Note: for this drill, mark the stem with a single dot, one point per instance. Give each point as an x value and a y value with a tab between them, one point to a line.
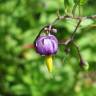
82	62
67	17
39	33
73	34
80	57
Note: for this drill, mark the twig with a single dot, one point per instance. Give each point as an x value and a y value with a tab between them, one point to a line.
82	62
39	33
73	34
72	17
80	57
66	17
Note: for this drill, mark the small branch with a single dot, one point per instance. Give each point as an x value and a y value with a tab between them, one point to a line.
65	43
76	17
54	22
73	34
91	17
81	60
40	33
72	17
66	17
80	57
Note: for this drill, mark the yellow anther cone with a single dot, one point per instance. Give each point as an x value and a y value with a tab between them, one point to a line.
49	63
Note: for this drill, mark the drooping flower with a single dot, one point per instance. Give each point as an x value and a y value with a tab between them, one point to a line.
46	45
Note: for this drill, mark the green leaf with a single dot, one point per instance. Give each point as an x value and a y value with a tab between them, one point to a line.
82	2
68	4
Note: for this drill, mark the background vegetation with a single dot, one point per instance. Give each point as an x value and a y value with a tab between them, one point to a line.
22	72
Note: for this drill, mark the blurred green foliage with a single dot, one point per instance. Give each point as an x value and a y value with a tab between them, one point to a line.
22	72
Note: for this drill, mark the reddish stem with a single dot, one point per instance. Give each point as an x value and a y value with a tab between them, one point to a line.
29	46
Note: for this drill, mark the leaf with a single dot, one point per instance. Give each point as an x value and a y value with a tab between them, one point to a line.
82	2
68	4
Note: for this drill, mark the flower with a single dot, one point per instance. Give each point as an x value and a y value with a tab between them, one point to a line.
46	45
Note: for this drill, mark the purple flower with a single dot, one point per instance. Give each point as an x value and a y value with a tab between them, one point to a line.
46	45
